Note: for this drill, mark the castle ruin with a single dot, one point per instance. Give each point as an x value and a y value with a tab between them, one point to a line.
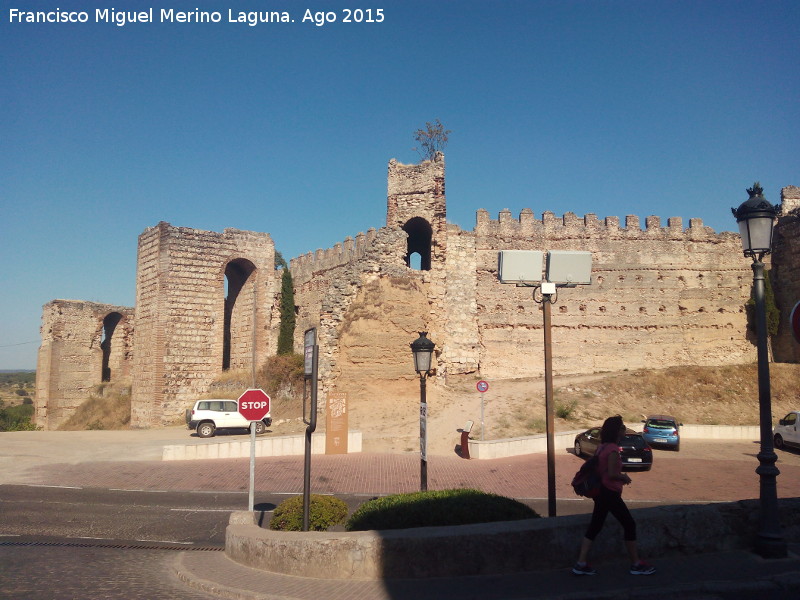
661	295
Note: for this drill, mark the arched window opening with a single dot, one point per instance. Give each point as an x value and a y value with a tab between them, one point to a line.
109	325
237	273
420	235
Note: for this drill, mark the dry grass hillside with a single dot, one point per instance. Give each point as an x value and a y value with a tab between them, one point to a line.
387	412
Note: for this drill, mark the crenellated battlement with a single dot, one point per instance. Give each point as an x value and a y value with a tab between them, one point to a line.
790	199
571	225
343	253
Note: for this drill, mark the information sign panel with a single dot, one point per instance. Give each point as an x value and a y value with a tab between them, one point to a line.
336	428
310	340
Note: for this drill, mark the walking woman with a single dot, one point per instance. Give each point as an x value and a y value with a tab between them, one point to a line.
610	501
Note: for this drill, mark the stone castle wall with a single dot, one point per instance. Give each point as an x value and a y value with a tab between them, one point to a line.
660	296
181	315
786	272
71	357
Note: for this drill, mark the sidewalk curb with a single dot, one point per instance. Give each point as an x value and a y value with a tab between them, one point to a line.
537	584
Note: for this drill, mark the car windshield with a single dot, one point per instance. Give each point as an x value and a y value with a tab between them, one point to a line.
633	441
660	424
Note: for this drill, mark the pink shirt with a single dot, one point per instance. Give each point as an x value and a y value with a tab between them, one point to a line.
603	454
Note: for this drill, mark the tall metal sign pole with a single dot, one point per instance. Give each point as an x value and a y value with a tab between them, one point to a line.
311	355
547	301
483	387
564	268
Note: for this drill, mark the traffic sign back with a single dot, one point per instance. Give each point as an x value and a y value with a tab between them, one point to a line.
254	405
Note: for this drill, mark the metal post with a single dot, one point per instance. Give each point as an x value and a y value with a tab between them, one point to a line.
253	337
312	425
769	541
252	424
548	398
482	425
423	434
251	502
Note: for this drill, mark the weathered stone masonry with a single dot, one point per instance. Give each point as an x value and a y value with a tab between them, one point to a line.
181	319
660	296
79	340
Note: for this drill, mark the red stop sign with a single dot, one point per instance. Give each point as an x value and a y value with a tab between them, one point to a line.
254	405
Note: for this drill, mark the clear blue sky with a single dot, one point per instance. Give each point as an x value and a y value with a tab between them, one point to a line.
613	108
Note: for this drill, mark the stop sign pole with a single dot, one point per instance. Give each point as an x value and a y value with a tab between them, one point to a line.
253	406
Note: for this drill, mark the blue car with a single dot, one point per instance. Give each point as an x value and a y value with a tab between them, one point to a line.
662	430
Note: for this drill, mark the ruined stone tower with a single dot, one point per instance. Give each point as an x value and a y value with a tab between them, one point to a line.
416	204
203	305
84	344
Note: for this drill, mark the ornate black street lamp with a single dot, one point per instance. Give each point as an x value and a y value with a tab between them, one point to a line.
756	218
422	349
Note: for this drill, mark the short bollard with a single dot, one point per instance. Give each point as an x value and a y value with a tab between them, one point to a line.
465	439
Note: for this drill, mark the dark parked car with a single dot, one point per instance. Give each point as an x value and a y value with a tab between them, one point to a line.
662	430
636	453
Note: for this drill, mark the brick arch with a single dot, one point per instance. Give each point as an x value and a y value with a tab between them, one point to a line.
108	346
239	307
420	239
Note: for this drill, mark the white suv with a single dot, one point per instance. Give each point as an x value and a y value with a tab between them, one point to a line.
219	413
787	431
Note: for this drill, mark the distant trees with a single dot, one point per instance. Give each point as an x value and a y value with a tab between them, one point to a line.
431	140
17	418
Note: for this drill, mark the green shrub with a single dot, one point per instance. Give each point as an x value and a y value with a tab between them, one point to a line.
17	418
436	508
564	410
324	512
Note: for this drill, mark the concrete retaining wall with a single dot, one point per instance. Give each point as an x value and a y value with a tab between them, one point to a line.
533	444
287	445
494	548
291	445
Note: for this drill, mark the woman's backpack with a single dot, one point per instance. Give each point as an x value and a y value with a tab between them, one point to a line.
588	481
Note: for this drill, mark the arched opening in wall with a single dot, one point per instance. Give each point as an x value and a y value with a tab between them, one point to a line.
237	273
110	323
420	235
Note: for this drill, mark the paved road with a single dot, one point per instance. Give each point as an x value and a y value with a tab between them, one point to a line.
704	471
71	572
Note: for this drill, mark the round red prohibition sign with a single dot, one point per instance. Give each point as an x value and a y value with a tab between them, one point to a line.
254	405
795	321
483	386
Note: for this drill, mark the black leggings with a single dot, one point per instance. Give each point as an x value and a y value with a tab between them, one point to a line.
611	502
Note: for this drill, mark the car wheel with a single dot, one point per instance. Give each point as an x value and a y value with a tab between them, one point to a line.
260	427
779	442
578	448
205	430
